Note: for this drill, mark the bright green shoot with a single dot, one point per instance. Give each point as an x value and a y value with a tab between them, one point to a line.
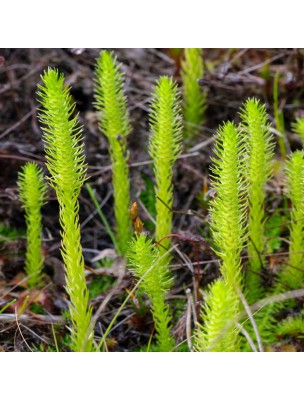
292	326
219	332
293	273
32	191
259	157
194	98
111	103
228	208
227	225
65	160
145	262
165	146
298	127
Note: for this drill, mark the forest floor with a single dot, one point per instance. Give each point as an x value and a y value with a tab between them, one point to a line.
231	76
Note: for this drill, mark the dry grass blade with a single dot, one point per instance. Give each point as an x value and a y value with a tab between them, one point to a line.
254	325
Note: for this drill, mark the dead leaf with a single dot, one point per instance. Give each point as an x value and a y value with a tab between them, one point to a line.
288	348
106	253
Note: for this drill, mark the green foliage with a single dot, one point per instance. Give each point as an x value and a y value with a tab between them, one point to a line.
219	332
144	260
65	160
298	127
43	348
259	149
228	208
99	285
273	229
8	304
164	147
227	225
9	233
194	99
291	276
293	273
111	104
241	168
101	214
278	115
37	308
176	51
292	326
32	191
265	319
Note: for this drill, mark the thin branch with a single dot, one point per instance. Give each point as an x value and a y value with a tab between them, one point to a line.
252	320
16	318
47	319
247	336
188	319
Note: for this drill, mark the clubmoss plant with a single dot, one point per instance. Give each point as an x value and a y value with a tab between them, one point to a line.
298	127
293	273
145	263
164	147
111	103
292	326
65	160
228	208
32	189
194	106
219	332
227	225
259	157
